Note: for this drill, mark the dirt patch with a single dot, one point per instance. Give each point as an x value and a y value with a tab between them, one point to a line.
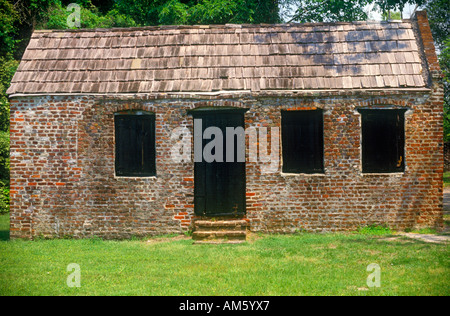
400	239
252	237
436	239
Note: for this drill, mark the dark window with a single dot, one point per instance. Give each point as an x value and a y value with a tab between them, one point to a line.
135	144
383	140
302	141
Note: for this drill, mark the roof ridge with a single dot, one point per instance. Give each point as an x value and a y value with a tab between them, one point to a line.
218	26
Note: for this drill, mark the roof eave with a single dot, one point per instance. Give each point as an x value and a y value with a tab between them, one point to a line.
237	92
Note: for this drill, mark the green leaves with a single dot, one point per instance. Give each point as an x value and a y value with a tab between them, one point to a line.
327	10
177	12
439	17
143	12
444	61
4	172
90	17
387	6
7	70
174	13
8	42
8	16
222	12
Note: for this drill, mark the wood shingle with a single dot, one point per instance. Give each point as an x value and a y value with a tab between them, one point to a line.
359	55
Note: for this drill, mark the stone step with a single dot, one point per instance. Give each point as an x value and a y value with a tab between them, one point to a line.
223	225
220	231
231	235
219	234
218	242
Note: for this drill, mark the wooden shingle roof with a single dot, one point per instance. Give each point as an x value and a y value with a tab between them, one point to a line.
360	55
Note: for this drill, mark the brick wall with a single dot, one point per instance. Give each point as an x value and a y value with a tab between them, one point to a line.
63	181
344	198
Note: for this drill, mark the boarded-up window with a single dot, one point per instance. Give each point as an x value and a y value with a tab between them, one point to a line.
135	144
302	141
383	140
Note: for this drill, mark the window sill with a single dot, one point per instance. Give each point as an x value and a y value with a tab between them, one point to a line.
284	174
393	174
135	177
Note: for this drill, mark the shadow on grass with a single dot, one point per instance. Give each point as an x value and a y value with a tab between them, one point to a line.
4	235
4	227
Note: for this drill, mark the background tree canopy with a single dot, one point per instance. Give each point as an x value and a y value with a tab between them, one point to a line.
19	18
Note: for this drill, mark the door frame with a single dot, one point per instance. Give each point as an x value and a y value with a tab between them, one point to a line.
198	113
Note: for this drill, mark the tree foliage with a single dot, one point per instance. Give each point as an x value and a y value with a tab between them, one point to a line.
387	6
4	172
439	17
91	17
327	10
389	15
176	12
444	61
8	16
345	10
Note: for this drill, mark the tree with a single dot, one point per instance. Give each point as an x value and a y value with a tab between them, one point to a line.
222	12
7	68
8	16
326	10
389	6
157	12
8	41
91	17
386	16
444	61
439	17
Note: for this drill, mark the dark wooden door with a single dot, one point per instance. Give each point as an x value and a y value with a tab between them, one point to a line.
220	185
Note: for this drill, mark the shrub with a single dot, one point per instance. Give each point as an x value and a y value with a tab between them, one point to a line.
4	172
4	199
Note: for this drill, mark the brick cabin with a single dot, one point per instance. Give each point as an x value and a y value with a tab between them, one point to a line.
358	105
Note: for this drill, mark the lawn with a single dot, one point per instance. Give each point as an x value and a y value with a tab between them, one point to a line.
302	264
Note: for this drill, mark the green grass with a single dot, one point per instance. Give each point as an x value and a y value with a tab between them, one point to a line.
374	230
446	179
302	264
427	231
